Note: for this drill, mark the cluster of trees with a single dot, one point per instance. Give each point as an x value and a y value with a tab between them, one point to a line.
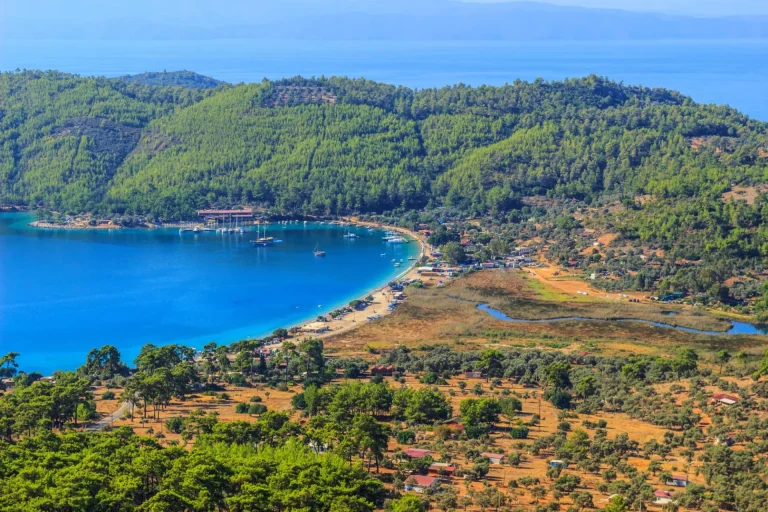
226	470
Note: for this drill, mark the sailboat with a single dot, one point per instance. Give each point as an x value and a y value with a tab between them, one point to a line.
348	234
318	252
264	240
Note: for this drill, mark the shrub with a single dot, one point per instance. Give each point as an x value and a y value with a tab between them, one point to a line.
519	432
174	425
257	409
429	378
256	399
241	408
108	395
406	436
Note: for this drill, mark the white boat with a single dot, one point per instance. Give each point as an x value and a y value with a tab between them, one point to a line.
318	252
396	240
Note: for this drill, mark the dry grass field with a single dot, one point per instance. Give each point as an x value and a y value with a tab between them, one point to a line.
449	315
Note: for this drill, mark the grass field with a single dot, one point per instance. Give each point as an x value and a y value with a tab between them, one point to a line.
449	315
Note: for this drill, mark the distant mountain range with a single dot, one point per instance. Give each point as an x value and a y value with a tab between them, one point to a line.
425	20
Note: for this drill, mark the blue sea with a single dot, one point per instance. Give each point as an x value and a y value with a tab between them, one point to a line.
63	292
720	72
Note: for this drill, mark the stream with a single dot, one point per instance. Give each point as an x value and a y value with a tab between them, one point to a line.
737	328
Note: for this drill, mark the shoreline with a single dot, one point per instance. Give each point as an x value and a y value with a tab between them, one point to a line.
49	225
381	294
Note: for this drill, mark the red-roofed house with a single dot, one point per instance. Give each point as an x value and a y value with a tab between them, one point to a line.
420	484
495	458
382	370
722	398
416	453
663	497
440	468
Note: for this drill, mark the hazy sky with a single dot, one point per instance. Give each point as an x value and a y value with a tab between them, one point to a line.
34	8
687	7
97	9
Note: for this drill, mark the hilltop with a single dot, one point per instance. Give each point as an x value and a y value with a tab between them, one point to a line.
173	78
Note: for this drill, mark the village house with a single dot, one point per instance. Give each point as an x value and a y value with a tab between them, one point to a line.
722	398
454	424
439	469
495	458
420	484
316	328
678	481
384	371
662	497
416	453
473	375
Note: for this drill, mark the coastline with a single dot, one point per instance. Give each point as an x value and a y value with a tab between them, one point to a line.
381	294
49	225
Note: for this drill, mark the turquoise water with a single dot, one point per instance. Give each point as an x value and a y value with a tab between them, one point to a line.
65	292
736	327
721	72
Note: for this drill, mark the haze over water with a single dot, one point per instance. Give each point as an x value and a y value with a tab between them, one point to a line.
65	292
720	72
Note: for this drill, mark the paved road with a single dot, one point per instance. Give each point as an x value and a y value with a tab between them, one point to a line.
108	420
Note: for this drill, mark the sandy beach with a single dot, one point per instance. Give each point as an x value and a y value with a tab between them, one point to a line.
381	296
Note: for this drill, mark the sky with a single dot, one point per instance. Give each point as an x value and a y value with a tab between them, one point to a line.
683	7
202	9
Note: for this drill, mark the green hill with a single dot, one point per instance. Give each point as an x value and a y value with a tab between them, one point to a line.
353	145
173	79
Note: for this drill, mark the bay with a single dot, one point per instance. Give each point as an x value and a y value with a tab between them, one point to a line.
63	292
720	72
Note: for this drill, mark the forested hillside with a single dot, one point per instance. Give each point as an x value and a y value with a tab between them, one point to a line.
338	145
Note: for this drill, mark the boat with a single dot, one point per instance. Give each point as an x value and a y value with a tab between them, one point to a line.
397	265
318	252
264	240
412	258
347	234
396	240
